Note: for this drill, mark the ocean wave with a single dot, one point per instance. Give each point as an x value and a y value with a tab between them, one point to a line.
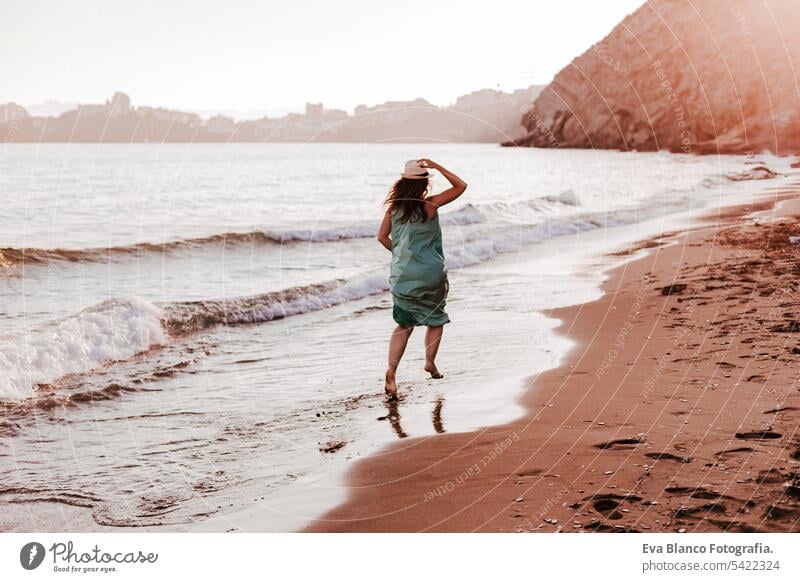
118	329
509	239
567	197
193	316
467	215
109	331
10	257
31	255
528	211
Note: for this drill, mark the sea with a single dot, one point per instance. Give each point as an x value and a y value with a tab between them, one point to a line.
193	336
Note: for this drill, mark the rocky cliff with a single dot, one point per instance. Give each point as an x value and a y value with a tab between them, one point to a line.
694	76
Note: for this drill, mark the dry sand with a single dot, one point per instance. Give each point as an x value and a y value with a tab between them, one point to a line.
678	409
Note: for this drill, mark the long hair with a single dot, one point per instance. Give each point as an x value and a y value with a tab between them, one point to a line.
407	198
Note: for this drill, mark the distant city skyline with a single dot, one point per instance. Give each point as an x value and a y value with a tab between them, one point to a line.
242	55
485	116
54	107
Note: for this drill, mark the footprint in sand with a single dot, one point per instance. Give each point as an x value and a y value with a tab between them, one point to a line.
673	289
727	452
696	492
684	511
792	489
770	476
779	513
599	526
756	378
781	409
703	493
529	473
668	457
619	444
607	503
789	327
608	507
759	435
734	526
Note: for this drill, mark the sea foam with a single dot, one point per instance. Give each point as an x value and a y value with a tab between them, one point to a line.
120	328
112	330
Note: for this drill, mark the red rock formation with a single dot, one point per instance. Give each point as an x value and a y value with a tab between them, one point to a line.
697	76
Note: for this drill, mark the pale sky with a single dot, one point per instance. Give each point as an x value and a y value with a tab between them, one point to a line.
243	54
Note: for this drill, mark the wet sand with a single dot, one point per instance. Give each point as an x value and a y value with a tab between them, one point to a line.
677	410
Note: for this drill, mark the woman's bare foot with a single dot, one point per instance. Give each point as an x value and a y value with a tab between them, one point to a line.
431	368
390	386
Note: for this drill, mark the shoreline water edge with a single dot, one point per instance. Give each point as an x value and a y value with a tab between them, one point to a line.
673	411
456	480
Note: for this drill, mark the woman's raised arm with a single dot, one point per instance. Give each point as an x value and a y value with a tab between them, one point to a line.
457	185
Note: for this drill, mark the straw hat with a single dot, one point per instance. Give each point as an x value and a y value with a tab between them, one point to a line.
414	171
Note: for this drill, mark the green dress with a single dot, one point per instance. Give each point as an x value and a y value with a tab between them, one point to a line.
418	275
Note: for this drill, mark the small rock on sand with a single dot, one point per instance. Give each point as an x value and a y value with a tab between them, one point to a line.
332	446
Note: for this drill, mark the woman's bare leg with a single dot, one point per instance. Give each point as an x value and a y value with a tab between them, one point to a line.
397	346
433	338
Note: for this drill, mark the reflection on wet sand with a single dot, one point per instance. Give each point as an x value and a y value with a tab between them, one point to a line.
393	416
437	415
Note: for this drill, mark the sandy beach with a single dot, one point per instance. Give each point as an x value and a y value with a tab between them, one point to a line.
294	268
676	411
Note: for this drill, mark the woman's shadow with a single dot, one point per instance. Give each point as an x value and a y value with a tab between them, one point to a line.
393	407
